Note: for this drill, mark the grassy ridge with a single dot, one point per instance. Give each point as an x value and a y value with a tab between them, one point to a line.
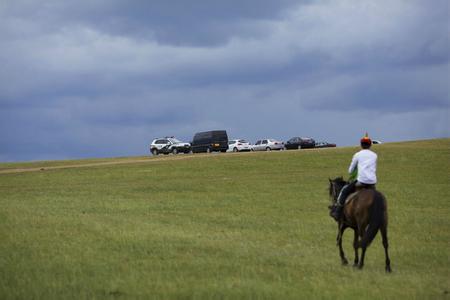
222	226
67	163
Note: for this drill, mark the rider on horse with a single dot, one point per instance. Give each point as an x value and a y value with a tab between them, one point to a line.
362	168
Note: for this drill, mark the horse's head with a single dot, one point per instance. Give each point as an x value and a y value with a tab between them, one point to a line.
335	188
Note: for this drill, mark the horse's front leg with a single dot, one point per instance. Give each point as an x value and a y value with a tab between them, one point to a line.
355	247
339	242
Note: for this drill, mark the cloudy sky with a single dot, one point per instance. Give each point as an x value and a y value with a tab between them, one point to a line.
102	78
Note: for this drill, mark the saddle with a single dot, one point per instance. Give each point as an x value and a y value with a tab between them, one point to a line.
360	186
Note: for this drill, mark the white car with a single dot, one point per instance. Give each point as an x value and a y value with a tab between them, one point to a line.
268	145
238	145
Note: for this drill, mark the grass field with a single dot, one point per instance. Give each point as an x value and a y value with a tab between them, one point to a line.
234	226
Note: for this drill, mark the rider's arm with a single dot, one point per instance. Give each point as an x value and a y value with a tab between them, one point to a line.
354	164
353	169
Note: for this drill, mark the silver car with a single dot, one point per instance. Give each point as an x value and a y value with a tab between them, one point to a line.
268	145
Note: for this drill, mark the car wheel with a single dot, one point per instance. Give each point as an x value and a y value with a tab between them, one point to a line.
155	152
268	149
175	151
235	149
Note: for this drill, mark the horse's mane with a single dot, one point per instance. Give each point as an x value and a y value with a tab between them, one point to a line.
339	181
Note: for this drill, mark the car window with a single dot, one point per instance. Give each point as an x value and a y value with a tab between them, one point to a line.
230	142
219	135
202	135
243	141
258	142
264	141
159	142
174	140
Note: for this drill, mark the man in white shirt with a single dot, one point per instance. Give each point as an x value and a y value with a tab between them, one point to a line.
363	168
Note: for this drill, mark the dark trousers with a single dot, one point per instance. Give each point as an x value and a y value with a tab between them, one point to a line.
345	192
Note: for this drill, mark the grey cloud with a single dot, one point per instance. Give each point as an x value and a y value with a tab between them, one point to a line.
174	22
384	91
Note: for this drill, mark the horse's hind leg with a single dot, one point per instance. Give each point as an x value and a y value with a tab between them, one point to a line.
339	242
361	262
386	245
363	254
355	247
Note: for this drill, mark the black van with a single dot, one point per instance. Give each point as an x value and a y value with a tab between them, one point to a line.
208	141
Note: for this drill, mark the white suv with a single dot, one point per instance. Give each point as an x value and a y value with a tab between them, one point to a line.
169	145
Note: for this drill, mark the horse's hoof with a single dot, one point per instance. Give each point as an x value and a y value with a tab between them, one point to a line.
344	262
388	269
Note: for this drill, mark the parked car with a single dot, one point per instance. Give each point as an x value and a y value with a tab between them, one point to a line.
268	145
300	143
208	141
169	145
238	145
324	145
375	142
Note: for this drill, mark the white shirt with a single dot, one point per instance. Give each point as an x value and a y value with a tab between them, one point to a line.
366	162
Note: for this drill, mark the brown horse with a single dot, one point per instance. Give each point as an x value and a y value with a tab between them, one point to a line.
365	211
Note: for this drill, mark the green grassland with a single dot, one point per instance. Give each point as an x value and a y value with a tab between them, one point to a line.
234	226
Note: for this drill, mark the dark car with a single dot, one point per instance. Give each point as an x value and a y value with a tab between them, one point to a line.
324	145
300	143
208	141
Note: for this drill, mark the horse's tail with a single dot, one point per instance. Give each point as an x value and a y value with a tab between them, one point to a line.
376	219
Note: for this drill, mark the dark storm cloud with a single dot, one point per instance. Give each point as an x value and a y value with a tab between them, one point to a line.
102	78
175	22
